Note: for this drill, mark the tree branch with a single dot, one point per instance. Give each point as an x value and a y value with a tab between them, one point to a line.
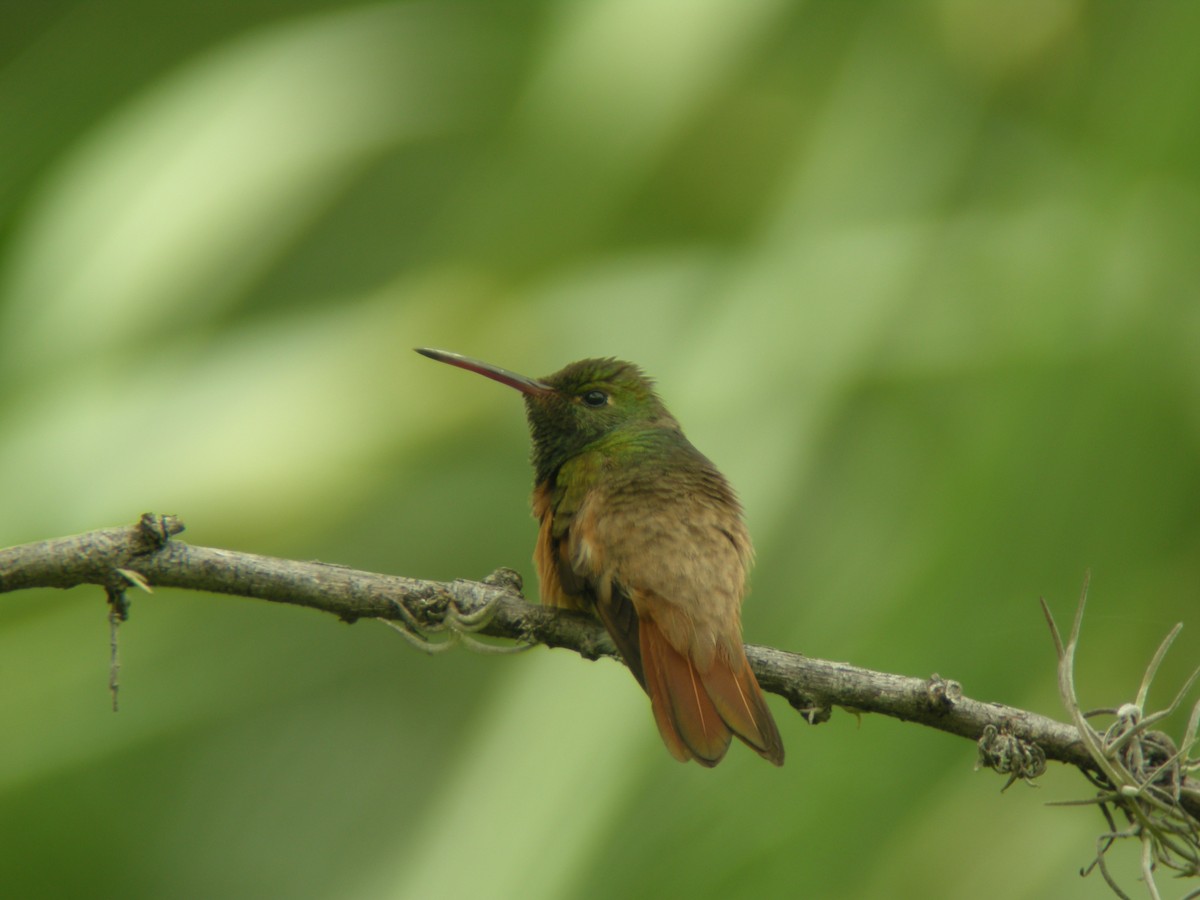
1010	739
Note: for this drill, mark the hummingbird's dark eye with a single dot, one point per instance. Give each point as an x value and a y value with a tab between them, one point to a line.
595	399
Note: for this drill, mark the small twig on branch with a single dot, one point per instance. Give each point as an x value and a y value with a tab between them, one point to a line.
1011	740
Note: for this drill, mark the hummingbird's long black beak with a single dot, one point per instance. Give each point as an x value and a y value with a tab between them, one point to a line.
523	384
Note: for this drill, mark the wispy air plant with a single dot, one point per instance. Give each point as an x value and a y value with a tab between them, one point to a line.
1138	771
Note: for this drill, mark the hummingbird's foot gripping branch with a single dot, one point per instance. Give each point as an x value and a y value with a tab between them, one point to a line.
458	625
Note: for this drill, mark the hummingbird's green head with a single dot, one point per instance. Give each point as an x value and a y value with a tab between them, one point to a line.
578	406
588	401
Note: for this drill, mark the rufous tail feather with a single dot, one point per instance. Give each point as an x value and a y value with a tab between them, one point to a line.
739	700
697	712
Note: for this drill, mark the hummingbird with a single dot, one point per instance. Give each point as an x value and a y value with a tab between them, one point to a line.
640	530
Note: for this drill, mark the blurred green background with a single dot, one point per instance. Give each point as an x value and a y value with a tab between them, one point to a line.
921	278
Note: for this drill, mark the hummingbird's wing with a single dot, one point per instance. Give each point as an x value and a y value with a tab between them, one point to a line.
570	567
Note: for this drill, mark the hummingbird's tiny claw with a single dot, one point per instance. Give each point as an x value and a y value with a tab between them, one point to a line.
457	625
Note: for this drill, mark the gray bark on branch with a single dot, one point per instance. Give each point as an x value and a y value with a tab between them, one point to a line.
117	559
